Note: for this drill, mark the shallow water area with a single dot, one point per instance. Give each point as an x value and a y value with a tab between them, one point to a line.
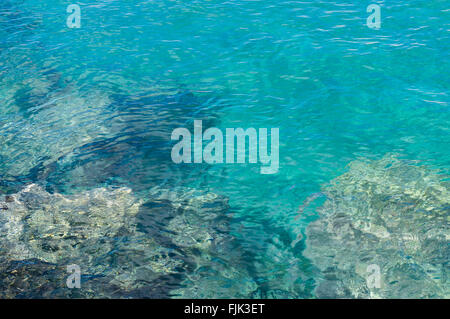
87	178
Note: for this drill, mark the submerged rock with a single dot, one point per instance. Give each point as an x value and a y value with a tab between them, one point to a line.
136	149
174	244
49	128
201	229
390	214
29	279
53	227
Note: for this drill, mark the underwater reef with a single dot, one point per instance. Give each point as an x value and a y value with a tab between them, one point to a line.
168	246
390	213
72	139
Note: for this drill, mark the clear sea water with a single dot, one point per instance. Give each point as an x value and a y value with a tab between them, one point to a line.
95	106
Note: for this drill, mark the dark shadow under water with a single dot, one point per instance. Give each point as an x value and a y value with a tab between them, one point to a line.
139	155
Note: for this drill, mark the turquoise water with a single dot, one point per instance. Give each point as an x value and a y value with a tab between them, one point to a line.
94	106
